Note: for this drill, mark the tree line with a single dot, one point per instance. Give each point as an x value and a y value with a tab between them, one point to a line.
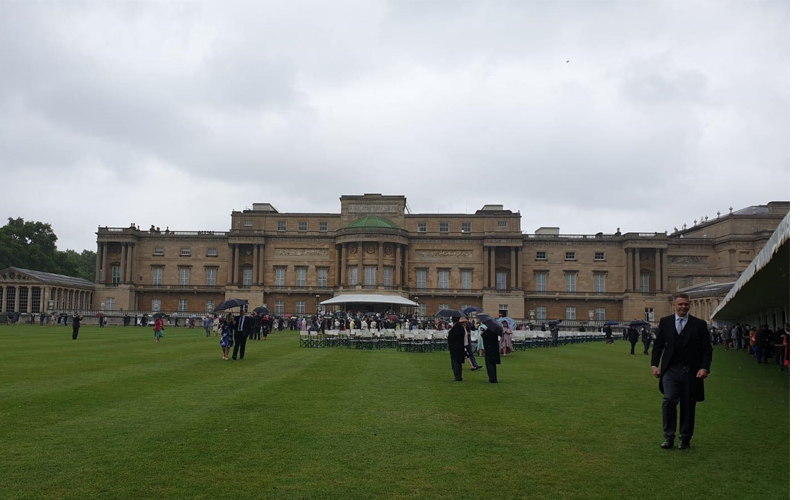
32	245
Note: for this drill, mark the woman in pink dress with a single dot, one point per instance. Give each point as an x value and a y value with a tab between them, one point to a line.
506	345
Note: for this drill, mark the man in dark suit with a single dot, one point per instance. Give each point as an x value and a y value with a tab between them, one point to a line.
685	344
244	324
491	349
456	343
633	337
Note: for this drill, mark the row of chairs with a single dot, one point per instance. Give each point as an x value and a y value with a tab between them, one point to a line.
429	340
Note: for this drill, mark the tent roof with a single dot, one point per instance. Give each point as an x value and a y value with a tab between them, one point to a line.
359	298
373	221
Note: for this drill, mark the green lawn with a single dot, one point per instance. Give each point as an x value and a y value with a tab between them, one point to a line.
113	415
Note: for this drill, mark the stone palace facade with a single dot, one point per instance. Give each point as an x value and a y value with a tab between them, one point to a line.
293	261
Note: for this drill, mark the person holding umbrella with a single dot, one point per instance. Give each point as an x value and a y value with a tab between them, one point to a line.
244	324
76	324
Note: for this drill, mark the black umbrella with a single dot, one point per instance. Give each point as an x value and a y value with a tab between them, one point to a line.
472	309
639	322
554	322
610	323
449	313
491	324
228	304
261	310
159	315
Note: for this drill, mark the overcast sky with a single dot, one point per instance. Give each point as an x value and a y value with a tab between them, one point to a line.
175	113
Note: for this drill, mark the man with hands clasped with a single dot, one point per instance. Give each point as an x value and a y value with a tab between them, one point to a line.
683	346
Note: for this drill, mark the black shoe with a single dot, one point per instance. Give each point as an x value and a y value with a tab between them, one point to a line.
492	381
684	445
479	367
668	444
234	358
458	379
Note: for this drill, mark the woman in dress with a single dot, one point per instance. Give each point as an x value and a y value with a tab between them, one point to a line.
480	347
506	344
158	329
227	337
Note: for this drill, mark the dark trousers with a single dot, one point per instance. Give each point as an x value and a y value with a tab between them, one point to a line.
75	332
646	346
456	365
239	342
677	382
633	345
491	370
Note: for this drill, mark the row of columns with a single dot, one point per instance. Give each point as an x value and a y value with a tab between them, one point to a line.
63	298
340	272
125	262
490	265
633	269
235	259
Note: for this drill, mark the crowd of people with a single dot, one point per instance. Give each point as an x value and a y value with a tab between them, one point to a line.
760	342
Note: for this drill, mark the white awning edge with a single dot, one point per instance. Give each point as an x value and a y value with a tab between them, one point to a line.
358	298
775	242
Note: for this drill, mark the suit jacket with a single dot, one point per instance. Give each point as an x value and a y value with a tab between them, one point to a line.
491	346
248	324
697	349
455	342
633	335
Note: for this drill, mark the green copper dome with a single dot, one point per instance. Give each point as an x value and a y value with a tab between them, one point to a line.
372	221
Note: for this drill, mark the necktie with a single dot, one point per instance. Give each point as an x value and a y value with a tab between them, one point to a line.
241	323
680	325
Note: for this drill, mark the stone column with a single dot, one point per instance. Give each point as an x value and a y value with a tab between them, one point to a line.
256	263
263	265
629	269
397	265
345	277
337	276
513	284
104	264
123	262
636	263
16	299
236	247
360	279
379	277
29	304
3	298
658	270
519	267
664	273
129	264
406	259
230	263
492	267
97	262
486	283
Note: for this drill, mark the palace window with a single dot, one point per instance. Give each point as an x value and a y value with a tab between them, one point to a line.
541	313
280	276
370	277
211	276
248	223
247	276
211	252
649	315
466	280
300	307
422	278
158	272
281	225
644	282
183	305
422	310
502	280
186	252
209	305
600	282
422	227
323	227
155	305
115	275
279	307
110	304
541	282
570	313
387	276
301	273
599	256
444	227
600	314
444	280
322	277
183	275
444	306
302	226
466	227
353	272
570	282
570	256
541	255
158	251
502	223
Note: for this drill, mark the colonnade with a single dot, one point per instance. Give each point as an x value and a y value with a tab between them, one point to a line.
259	266
490	264
400	263
36	298
633	258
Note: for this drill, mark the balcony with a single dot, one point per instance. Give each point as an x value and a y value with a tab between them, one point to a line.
154	287
553	294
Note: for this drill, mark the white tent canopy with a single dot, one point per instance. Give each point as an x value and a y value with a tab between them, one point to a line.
357	298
